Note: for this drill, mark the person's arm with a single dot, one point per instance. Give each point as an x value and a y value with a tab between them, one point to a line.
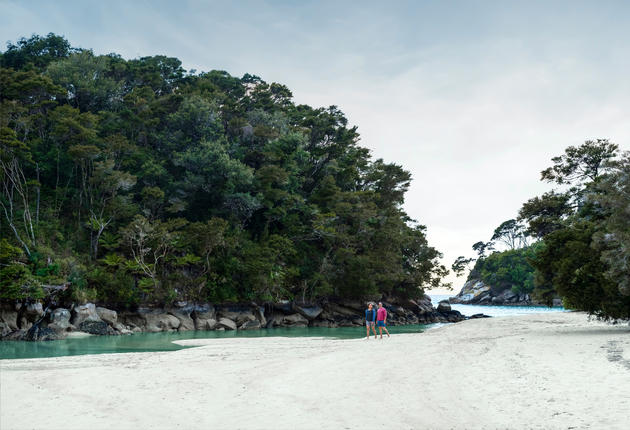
385	318
373	315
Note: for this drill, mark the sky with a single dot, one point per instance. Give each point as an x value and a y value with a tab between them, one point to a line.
472	97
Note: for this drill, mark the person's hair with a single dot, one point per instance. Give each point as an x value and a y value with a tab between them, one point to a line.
380	303
369	304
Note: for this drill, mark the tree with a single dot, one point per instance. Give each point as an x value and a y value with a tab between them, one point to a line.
140	182
614	240
511	233
482	247
461	264
581	164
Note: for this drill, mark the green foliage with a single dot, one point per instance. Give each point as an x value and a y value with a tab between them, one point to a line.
584	253
138	182
509	269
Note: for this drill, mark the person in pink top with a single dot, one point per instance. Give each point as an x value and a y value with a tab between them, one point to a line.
381	319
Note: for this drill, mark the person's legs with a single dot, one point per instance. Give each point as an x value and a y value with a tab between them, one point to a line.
374	330
386	331
367	327
380	330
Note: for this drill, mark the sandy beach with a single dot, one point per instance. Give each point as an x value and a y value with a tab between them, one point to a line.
531	372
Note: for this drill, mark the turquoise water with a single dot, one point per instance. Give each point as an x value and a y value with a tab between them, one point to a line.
494	311
144	342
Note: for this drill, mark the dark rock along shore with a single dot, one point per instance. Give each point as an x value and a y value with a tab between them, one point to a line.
31	322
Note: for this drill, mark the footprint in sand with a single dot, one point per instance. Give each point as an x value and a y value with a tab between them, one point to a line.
615	354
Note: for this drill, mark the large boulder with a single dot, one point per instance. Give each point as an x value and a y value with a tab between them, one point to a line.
226	324
39	332
444	306
294	320
205	324
236	313
107	315
204	317
59	320
157	321
186	323
86	312
309	312
94	327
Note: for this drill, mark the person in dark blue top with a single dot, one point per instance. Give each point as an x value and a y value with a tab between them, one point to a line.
370	317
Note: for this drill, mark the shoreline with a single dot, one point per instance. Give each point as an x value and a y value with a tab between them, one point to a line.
534	371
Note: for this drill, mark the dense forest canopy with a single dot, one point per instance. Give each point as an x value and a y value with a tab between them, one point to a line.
581	235
136	181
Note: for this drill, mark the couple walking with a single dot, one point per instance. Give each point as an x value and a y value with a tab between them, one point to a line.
380	316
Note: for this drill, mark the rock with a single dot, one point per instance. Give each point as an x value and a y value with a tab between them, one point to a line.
38	333
204	317
444	306
226	324
497	300
250	325
294	320
259	313
239	314
341	310
34	311
107	315
94	327
9	317
509	295
471	292
86	312
475	316
205	324
557	302
60	320
186	323
309	312
356	306
160	321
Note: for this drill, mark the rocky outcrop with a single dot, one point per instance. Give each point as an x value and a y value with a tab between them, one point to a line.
476	292
184	316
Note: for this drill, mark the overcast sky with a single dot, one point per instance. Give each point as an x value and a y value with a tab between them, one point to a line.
472	97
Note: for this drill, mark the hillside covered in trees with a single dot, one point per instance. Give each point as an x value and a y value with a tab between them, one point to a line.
135	181
572	242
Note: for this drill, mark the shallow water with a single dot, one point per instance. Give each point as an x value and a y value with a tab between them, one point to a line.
494	311
143	342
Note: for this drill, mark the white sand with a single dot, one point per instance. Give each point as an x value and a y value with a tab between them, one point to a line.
542	371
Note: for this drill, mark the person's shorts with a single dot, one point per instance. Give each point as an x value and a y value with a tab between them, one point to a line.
380	323
369	323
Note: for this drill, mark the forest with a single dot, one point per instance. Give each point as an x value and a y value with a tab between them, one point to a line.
134	181
573	241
